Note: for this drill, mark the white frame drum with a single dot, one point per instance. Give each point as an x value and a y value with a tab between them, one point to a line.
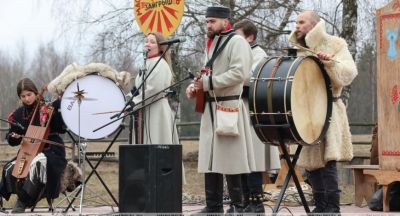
102	99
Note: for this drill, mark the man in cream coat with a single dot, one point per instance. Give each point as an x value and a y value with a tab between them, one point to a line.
219	154
320	160
266	156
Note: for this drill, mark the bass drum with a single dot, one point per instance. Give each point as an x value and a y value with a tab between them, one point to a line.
102	98
294	94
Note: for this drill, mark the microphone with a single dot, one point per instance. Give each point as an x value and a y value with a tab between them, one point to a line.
172	41
145	52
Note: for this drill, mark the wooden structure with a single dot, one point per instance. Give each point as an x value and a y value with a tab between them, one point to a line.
364	185
388	99
388	82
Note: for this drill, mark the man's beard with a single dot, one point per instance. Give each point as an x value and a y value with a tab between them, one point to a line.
300	36
212	34
301	39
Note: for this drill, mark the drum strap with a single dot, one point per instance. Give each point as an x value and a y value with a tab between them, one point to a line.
210	63
270	87
218	50
246	91
274	70
270	105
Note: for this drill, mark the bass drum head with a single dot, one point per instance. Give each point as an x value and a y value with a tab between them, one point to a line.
309	101
101	95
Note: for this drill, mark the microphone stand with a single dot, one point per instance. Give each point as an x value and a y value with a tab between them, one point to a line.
17	124
142	71
141	114
142	84
190	76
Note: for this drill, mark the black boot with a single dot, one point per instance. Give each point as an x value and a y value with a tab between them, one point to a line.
214	191
254	183
245	190
256	204
320	202
332	203
19	207
246	199
235	193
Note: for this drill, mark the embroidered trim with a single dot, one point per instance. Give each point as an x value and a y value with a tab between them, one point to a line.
227	109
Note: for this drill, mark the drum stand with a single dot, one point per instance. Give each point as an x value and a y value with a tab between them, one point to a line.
82	157
81	188
291	164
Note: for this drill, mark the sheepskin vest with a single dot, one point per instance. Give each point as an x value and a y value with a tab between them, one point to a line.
337	145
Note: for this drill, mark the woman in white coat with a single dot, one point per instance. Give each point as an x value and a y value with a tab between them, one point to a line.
157	119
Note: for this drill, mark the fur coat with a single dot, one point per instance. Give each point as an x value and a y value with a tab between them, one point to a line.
337	145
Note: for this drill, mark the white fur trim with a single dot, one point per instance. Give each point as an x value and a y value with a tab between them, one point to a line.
75	71
337	145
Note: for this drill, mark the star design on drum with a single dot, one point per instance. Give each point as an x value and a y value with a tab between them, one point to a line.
79	94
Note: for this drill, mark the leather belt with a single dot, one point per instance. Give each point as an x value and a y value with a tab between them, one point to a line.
222	98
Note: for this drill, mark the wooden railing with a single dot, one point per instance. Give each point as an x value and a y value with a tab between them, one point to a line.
185	124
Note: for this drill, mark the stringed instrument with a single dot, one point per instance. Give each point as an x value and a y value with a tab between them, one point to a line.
200	94
32	143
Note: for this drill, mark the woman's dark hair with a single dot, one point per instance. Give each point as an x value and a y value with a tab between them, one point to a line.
26	84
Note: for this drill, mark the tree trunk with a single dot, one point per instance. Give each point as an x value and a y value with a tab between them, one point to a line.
349	24
349	33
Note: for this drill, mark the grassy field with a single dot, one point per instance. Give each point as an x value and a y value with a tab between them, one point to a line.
96	194
193	190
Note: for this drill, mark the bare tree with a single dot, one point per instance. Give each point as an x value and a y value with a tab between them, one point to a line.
349	25
116	37
349	33
11	71
48	63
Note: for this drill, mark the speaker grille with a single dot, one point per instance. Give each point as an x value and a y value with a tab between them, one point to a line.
150	178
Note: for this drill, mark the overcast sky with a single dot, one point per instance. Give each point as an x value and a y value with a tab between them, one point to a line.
32	22
25	21
29	23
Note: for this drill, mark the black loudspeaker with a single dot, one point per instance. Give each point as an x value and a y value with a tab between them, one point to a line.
150	178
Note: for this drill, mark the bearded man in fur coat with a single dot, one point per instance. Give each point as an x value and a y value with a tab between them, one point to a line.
320	160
